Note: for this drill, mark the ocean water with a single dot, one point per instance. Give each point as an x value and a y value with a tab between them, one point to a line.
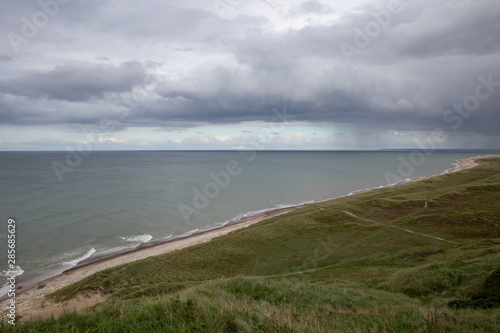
116	200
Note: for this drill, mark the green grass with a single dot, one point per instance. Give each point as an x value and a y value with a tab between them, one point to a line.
376	261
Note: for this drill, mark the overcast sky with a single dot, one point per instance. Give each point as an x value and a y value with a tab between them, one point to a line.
235	74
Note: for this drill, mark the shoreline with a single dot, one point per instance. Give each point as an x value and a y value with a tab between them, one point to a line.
30	299
154	247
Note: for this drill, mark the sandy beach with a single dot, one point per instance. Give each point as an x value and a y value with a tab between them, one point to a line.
30	299
467	164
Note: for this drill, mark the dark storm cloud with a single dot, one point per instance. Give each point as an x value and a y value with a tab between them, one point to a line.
423	60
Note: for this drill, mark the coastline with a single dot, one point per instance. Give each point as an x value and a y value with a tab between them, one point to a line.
30	299
466	164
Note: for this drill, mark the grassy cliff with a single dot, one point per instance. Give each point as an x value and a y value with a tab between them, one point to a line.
376	261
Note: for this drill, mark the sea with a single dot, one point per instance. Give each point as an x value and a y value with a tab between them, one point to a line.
70	207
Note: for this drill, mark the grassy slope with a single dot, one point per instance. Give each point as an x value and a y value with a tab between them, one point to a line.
374	261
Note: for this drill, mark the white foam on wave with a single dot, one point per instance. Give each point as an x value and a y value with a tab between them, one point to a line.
283	206
74	262
251	214
138	239
4	289
185	234
211	227
16	272
55	270
455	164
189	233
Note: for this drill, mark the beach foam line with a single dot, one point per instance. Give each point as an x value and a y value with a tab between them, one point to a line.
186	234
456	165
211	227
75	262
138	240
245	216
47	272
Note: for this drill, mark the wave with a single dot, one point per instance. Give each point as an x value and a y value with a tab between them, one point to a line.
211	227
74	262
4	288
244	216
8	273
456	165
137	239
188	233
46	273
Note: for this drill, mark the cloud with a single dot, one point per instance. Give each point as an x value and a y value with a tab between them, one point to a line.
76	81
450	28
182	65
4	57
311	7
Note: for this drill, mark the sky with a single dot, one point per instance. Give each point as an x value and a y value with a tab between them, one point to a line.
249	74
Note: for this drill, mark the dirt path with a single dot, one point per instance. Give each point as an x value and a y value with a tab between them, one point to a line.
398	228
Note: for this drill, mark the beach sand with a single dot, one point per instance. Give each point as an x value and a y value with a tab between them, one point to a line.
31	301
467	164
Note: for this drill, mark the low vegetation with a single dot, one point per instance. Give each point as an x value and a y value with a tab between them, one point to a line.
373	262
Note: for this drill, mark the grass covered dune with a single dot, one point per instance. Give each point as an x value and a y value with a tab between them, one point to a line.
372	262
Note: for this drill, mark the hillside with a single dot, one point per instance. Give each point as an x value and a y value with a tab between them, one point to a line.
377	261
